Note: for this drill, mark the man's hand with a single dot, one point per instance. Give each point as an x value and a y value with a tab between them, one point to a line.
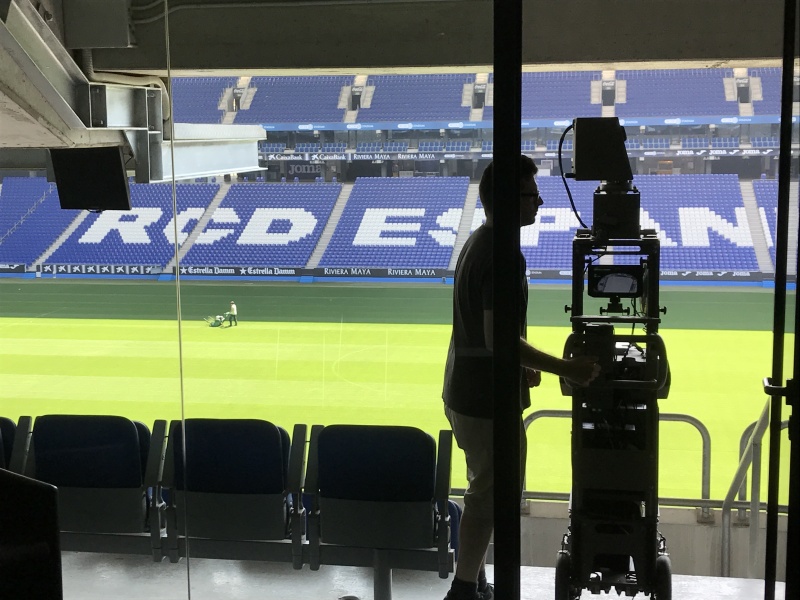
582	369
534	377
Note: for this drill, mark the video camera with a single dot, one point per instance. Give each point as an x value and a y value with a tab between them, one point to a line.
613	540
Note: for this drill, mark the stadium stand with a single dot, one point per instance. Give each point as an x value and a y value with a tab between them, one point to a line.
552	145
395	146
236	491
654	143
369	147
694	142
559	94
334	147
765	141
725	142
458	146
30	218
398	223
701	220
487	146
272	146
295	99
431	146
196	99
265	224
141	236
307	147
770	90
379	497
106	469
406	97
675	92
766	191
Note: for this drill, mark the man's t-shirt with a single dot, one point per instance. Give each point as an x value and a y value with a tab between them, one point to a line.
468	373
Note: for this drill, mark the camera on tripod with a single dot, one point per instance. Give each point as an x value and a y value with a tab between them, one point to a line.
613	538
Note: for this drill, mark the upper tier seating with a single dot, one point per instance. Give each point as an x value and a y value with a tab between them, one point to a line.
558	95
675	92
196	99
770	90
31	204
415	97
398	223
303	99
143	235
275	225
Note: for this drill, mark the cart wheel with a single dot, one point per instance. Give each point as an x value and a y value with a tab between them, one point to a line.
563	569
662	584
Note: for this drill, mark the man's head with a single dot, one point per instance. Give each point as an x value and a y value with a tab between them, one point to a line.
529	190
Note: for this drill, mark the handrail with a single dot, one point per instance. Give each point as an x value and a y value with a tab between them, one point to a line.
705	483
755	486
738	480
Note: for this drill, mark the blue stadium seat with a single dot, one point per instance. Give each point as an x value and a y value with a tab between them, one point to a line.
236	492
106	470
379	497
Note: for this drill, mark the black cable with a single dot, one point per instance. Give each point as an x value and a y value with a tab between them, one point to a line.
564	178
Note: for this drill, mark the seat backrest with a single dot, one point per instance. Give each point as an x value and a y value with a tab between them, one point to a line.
376	463
7	432
87	451
231	456
376	486
96	462
234	481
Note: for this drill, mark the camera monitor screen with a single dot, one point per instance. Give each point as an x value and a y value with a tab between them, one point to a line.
91	178
622	281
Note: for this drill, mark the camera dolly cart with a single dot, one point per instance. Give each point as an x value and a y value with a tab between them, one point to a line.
613	539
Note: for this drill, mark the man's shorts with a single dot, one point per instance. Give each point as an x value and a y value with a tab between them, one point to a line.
475	436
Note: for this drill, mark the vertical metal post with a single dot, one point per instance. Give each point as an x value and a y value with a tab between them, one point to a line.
506	288
779	318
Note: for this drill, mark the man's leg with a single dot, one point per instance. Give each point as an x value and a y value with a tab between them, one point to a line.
474	436
474	535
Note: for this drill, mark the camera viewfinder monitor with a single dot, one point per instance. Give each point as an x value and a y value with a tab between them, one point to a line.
599	152
91	178
621	281
30	551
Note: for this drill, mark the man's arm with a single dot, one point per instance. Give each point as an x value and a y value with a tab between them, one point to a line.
580	369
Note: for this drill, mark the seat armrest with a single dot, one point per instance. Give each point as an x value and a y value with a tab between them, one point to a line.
155	460
297	460
443	467
18	463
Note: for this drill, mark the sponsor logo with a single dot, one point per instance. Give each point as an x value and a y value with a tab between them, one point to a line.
486	155
305	169
704	273
669	272
346	271
332	156
417	155
455	125
282	156
748	151
354	125
685	152
562	123
675	121
718	152
405	125
306	127
741	273
732	120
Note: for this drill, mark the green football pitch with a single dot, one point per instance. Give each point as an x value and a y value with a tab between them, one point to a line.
325	353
